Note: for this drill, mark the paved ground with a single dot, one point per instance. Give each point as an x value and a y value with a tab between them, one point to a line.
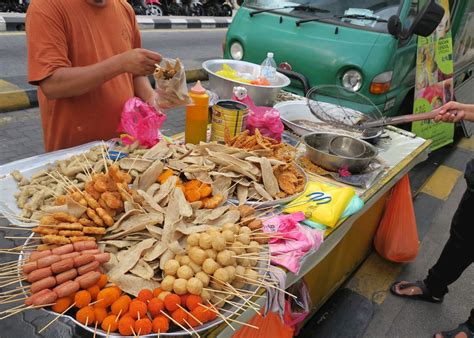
170	43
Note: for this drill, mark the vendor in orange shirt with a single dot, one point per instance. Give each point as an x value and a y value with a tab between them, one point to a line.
86	58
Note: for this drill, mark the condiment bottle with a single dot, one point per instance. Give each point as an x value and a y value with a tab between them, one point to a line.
197	115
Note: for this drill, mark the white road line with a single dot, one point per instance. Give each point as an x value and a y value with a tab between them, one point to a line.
193	30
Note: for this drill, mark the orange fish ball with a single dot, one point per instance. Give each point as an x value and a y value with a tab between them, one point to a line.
184	298
156	292
193	322
100	314
143	326
94	291
155	306
86	315
126	325
161	324
102	280
116	291
62	304
193	302
120	306
171	302
145	295
110	323
180	316
82	298
106	297
201	313
137	309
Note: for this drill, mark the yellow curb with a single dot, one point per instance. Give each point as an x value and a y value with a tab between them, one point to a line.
373	279
442	182
12	97
467	143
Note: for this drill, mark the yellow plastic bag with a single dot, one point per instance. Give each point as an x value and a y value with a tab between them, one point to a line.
327	214
230	73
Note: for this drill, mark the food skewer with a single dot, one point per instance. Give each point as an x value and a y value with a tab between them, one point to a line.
174	321
231	319
58	316
192	328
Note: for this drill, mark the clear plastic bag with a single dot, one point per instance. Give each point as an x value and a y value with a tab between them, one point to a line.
170	85
297	309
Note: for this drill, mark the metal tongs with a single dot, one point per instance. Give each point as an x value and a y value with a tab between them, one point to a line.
391	121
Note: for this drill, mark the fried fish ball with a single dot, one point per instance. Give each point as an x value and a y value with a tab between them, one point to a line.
225	258
231	272
179	286
254	247
245	262
193	240
194	286
238	247
91	201
94	231
53	239
229	236
221	275
108	220
246	210
244	238
64	217
167	283
44	231
245	230
185	272
204	278
86	222
210	266
82	239
94	217
240	270
252	274
206	295
70	233
230	226
255	224
171	267
112	200
197	255
205	241
196	267
70	226
185	260
218	242
211	253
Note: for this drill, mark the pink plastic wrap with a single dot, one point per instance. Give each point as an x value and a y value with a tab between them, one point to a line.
141	122
298	240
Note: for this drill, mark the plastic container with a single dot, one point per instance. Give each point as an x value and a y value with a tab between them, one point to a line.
268	68
197	115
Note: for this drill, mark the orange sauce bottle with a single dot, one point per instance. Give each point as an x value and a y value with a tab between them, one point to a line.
197	115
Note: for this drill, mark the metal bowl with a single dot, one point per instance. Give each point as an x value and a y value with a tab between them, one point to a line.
317	150
261	95
347	147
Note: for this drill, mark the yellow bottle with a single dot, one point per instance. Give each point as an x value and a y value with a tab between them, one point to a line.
197	115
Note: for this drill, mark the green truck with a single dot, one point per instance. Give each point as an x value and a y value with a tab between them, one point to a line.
367	46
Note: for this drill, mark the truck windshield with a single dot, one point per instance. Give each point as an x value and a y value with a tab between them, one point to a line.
362	13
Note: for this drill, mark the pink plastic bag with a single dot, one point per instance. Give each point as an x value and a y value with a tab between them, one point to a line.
141	122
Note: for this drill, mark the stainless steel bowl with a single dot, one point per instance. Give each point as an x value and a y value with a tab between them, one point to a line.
317	150
261	95
347	146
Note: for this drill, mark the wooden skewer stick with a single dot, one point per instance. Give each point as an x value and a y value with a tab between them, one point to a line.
174	321
220	315
250	257
13	301
192	328
231	319
95	329
21	237
12	309
13	282
133	331
133	163
26	308
57	317
190	314
13	228
118	316
266	283
248	301
235	304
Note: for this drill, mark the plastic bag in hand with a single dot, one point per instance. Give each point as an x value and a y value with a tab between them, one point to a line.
170	85
141	122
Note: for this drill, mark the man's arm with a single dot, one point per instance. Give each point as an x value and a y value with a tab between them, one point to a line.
144	90
75	81
454	111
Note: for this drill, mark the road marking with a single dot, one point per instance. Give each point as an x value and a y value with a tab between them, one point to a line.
467	143
442	182
374	277
12	97
180	30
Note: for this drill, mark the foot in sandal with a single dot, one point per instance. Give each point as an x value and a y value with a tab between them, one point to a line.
462	331
414	290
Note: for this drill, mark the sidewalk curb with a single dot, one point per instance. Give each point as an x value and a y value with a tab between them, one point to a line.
13	23
21	95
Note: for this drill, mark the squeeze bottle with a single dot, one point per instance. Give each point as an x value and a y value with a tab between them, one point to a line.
197	115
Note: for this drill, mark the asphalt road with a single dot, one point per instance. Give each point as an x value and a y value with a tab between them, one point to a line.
193	46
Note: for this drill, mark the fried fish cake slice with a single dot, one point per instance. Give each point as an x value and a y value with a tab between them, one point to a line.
94	231
64	217
54	239
82	239
70	226
70	233
45	231
86	222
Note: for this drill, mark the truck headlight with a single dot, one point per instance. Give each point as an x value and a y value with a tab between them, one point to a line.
236	51
352	80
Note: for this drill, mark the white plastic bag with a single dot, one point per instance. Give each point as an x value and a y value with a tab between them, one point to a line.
170	84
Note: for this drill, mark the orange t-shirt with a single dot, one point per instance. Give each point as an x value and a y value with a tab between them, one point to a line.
72	33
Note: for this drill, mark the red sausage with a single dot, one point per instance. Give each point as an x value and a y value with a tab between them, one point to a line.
90	252
89	279
88	267
38	274
102	257
83	260
65	276
30	299
45	283
70	255
29	267
47	298
64	249
48	260
62	265
35	255
85	245
66	289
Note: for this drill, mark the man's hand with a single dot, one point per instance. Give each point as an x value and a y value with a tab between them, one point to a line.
139	62
451	112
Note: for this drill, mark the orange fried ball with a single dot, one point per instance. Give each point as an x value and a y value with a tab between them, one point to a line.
156	292
137	309
106	297
161	324
102	281
82	298
86	315
145	295
116	291
100	314
62	304
120	306
201	313
143	326
193	302
172	301
180	316
155	306
126	325
94	291
110	324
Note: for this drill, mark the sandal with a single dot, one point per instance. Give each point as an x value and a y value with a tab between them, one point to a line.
463	328
425	295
